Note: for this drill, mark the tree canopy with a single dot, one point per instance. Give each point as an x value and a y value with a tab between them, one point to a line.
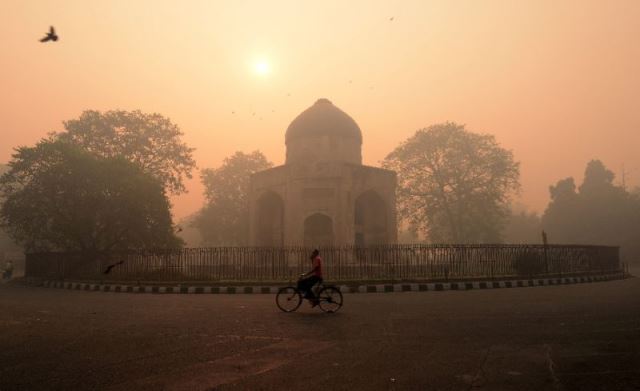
596	212
151	141
58	196
523	227
6	243
224	220
454	185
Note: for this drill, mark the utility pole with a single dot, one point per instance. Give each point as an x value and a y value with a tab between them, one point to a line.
544	251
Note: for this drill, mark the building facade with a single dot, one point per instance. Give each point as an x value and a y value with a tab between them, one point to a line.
323	194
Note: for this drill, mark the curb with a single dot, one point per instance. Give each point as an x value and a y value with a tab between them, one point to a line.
378	288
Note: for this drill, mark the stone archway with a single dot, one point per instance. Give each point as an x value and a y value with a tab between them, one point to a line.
318	230
370	220
270	220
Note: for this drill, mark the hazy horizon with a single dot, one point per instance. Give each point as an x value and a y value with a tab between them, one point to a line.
557	83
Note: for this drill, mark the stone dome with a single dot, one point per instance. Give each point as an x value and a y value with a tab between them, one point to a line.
323	119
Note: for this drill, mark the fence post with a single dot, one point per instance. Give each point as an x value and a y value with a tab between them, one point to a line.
63	266
490	268
544	252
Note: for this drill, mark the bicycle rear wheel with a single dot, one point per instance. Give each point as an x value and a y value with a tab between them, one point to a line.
330	299
288	299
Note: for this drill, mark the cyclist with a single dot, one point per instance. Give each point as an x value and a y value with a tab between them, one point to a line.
311	278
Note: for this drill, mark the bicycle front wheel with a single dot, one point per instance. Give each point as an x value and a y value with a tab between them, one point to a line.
330	299
288	299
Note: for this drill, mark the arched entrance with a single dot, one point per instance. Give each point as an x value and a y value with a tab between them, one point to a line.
370	220
318	230
270	220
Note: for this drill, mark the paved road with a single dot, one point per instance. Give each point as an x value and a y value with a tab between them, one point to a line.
573	337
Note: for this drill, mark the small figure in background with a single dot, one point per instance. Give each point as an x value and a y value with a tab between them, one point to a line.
8	270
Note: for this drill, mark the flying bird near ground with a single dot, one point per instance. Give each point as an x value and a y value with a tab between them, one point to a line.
108	269
51	35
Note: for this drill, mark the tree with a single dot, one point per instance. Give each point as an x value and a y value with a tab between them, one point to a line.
562	217
149	140
186	230
597	212
58	196
523	227
6	243
225	218
454	185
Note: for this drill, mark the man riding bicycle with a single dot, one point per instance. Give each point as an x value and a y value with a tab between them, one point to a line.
311	278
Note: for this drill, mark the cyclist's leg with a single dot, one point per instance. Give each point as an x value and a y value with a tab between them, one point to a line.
304	286
314	281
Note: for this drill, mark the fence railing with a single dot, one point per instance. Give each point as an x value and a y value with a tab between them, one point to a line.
340	263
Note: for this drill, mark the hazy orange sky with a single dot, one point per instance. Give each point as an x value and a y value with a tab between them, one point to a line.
557	82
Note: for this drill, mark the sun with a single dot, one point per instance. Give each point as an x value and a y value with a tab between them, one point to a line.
261	67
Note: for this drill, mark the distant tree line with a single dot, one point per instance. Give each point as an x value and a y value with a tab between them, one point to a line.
103	184
596	212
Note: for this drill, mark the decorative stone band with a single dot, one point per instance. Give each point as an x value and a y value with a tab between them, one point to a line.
379	288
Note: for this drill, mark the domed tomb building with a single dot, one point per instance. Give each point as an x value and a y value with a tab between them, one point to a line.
323	195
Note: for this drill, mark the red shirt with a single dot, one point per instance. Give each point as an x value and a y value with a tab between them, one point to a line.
317	267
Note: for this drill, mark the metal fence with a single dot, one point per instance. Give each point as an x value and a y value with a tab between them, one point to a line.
340	263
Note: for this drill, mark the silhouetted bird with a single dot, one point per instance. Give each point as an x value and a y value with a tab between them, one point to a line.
108	269
391	19
51	35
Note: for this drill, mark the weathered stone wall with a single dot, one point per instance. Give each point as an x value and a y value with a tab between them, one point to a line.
326	188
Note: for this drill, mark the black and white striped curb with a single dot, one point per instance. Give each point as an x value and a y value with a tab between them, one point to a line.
378	288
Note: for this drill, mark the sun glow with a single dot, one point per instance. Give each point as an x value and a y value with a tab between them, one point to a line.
261	67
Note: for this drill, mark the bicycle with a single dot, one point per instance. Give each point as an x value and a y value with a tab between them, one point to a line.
329	298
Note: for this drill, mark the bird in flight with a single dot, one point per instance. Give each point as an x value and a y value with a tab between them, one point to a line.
51	35
391	18
108	269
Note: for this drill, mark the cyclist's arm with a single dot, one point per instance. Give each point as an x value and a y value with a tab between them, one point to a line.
310	272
